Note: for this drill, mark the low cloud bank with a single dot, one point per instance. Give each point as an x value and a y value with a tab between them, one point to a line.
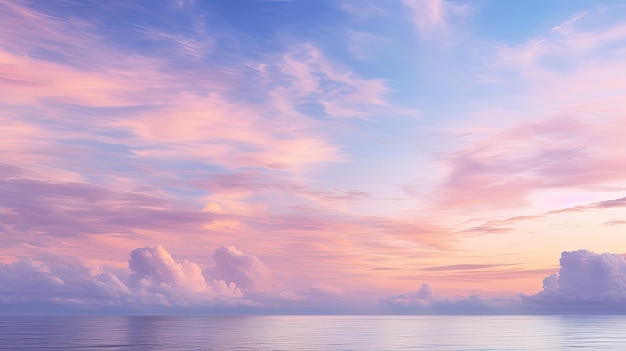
156	282
423	301
587	282
155	279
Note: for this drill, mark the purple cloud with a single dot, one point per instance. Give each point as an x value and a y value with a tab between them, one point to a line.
155	279
245	271
586	283
424	301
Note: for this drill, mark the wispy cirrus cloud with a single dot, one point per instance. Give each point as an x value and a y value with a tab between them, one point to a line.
506	225
434	18
557	152
275	132
607	204
560	130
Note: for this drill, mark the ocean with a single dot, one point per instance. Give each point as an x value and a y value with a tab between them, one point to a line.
230	333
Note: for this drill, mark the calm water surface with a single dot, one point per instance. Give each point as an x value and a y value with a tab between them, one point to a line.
312	333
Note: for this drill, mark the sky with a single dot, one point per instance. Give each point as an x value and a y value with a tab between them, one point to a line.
266	156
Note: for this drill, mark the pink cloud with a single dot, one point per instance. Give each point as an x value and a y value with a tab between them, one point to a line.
502	171
42	212
250	184
24	80
156	274
421	232
156	266
211	129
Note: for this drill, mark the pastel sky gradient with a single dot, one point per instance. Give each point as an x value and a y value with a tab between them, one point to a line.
327	156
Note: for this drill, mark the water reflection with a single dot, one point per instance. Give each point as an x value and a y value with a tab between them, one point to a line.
313	333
